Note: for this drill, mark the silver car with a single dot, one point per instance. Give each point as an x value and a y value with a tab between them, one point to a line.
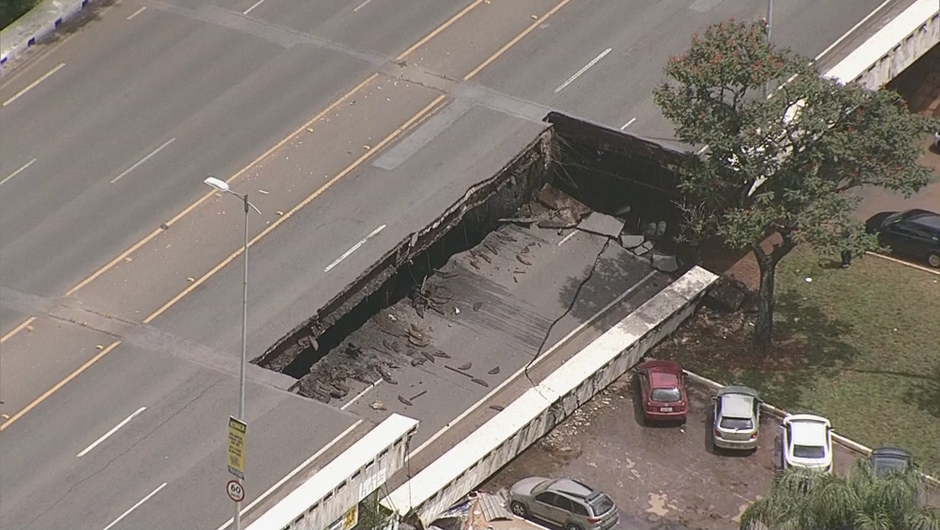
737	418
564	502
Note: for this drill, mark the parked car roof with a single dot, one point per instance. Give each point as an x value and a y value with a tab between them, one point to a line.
738	389
884	459
571	487
735	405
807	429
663	380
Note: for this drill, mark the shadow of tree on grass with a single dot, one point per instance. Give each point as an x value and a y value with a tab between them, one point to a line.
808	347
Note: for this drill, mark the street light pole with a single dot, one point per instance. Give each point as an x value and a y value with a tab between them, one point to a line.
770	20
769	36
224	187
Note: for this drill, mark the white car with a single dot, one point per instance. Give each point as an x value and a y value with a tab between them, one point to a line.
807	442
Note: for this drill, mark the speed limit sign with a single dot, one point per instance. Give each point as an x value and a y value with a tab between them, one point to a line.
235	491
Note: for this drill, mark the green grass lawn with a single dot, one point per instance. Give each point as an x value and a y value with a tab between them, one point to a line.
860	346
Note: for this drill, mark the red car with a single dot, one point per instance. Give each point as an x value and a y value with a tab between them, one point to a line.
663	391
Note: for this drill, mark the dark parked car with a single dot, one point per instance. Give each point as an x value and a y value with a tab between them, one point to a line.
885	460
911	233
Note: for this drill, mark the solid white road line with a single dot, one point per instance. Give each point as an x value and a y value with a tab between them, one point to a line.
567	237
629	123
134	507
112	431
581	71
142	160
547	353
135	13
253	6
354	248
360	394
18	171
296	470
33	84
364	4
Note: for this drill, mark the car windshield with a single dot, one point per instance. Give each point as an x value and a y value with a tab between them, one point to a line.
666	395
601	504
809	451
891	219
736	424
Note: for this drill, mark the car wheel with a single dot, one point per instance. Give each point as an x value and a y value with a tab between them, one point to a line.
519	509
934	260
572	526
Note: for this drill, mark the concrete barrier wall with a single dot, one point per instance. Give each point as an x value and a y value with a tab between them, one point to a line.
348	479
893	48
461	469
39	23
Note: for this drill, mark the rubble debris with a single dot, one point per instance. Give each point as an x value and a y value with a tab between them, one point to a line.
523	260
643	249
664	263
456	371
497	408
494	371
428	356
631	241
377	405
387	376
556	199
405	401
480	382
465	367
727	294
448	274
477	306
490	248
602	225
564	218
506	237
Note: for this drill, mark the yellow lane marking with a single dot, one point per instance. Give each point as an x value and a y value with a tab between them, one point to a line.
17	329
297	208
538	22
33	84
208	195
59	385
438	30
417	118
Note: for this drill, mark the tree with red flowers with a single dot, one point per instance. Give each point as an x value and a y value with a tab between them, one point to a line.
783	167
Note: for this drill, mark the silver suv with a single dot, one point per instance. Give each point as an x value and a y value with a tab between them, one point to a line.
564	502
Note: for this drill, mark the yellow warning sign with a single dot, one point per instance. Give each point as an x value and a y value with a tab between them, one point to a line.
236	447
351	517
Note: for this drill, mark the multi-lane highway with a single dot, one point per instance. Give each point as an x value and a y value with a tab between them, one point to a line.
109	132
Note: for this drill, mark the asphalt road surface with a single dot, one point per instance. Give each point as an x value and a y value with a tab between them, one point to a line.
109	132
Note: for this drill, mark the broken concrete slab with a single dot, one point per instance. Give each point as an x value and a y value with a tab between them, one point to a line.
602	225
564	218
556	199
631	241
665	263
643	249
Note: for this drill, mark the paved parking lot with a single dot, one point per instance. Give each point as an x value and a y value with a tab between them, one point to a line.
656	475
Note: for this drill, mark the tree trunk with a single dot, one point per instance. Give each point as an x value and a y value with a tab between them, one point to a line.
767	262
764	327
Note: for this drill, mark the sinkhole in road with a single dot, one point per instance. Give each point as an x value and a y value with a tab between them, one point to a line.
600	169
305	354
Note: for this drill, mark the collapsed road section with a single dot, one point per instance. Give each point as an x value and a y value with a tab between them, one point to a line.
506	272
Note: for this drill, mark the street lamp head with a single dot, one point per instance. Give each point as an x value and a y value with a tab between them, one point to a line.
218	184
